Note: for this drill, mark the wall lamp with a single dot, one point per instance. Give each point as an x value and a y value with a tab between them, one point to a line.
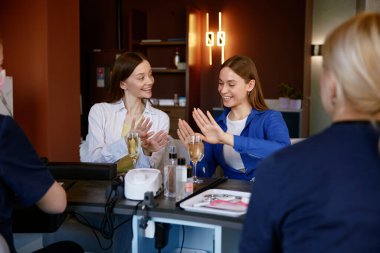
209	39
316	50
220	38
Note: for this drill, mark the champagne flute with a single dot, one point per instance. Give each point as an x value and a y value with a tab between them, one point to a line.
134	144
196	151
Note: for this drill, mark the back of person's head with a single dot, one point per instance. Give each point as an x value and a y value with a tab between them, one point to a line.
124	65
352	53
244	67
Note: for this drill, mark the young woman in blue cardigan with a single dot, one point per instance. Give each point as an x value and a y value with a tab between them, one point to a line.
246	132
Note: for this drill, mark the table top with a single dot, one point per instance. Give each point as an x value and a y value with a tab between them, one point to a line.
90	196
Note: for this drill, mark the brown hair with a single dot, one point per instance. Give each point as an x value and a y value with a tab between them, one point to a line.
124	65
246	69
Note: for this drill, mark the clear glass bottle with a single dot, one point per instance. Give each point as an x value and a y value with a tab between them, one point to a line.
169	172
189	186
181	178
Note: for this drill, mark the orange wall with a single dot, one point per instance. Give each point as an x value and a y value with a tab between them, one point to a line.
41	50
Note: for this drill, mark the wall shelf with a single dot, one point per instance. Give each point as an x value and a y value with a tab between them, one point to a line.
163	43
159	35
168	70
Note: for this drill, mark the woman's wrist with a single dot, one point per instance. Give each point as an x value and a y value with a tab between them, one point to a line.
147	152
228	139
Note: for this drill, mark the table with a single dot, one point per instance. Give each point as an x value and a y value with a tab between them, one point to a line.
208	232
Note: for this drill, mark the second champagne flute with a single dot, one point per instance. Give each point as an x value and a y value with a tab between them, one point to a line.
133	143
196	152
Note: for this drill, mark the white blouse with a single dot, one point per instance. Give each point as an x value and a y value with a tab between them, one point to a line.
234	127
104	143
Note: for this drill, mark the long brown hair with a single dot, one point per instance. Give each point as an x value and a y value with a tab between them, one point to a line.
124	65
246	69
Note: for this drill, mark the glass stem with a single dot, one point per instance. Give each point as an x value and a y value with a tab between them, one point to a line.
134	163
195	171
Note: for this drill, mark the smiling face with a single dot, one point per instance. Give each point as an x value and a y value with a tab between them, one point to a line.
233	89
140	83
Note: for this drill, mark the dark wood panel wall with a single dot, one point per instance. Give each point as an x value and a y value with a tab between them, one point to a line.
271	32
45	37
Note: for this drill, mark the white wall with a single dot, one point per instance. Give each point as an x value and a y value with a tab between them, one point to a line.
327	15
368	5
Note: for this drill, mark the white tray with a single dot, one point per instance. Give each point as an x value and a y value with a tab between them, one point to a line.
188	205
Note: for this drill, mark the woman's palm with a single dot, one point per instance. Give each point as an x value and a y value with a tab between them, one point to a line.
212	133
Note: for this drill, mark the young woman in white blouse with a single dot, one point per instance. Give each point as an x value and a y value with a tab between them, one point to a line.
127	108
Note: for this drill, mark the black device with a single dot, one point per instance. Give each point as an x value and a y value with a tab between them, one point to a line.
161	235
149	199
147	203
116	189
82	171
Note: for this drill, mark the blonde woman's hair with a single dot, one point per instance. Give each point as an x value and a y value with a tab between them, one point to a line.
352	53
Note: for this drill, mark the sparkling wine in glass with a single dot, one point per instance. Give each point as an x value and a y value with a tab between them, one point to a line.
196	151
133	143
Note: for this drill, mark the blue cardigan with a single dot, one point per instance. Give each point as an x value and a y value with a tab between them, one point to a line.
264	133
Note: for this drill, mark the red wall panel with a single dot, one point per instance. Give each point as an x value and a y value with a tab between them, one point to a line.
41	48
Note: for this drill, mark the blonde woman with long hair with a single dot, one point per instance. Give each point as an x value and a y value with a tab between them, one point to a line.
322	194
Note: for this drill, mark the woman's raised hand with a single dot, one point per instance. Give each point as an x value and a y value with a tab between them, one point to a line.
212	133
155	143
184	131
150	141
142	127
